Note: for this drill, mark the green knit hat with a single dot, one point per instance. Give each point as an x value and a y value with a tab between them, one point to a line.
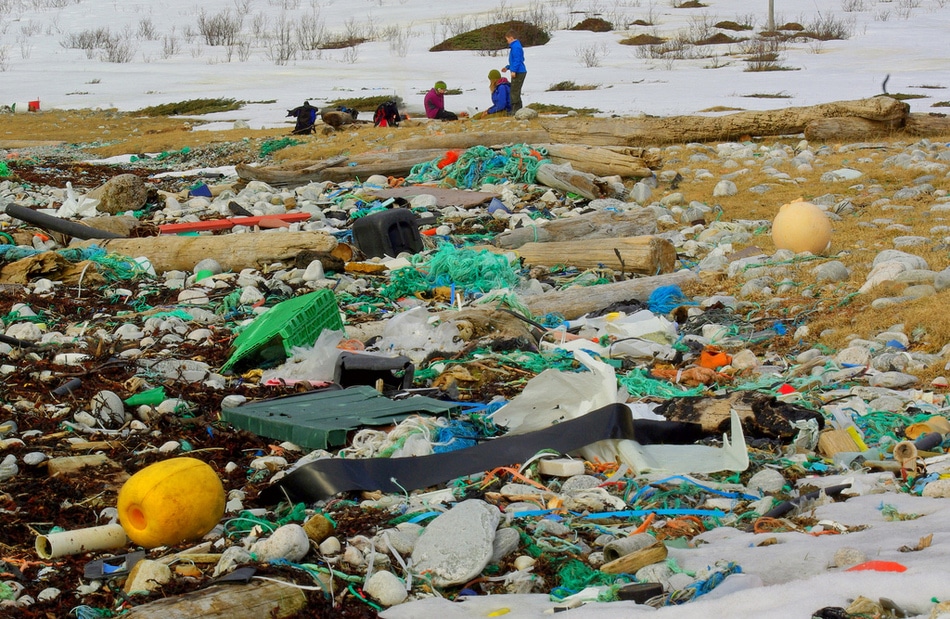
494	74
440	85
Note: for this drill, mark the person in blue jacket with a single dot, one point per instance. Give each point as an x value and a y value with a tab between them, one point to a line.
515	68
500	95
306	116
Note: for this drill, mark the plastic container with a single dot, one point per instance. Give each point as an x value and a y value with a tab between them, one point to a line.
387	233
294	322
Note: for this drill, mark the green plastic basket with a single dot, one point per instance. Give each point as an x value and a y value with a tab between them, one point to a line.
294	322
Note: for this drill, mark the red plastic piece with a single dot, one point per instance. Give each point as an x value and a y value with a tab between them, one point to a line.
227	224
878	566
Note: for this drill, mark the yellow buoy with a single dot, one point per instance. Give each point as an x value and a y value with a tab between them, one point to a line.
801	226
170	502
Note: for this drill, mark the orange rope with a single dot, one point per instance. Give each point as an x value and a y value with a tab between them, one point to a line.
769	525
645	524
491	475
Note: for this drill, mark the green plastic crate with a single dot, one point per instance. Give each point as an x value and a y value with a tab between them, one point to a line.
294	322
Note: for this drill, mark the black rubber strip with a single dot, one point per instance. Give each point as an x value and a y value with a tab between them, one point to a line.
322	479
58	224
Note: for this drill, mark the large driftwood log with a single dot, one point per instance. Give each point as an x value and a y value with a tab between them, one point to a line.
388	164
849	128
292	174
358	166
576	301
233	251
257	599
565	178
927	125
644	255
596	225
455	141
643	131
599	161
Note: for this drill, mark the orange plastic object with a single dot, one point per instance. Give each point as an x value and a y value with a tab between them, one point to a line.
450	157
878	566
713	358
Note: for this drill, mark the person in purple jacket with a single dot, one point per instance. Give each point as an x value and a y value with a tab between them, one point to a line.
500	95
435	103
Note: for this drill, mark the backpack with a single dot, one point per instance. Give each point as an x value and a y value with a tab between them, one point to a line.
387	115
348	110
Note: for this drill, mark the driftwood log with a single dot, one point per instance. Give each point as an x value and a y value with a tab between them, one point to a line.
338	169
461	141
576	301
603	161
233	251
849	128
595	225
644	255
257	599
387	164
300	173
927	125
566	178
644	131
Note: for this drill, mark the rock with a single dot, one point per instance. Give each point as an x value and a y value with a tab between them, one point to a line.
288	542
331	546
526	113
457	545
506	542
834	271
120	194
892	380
725	188
386	588
766	481
147	575
938	489
108	408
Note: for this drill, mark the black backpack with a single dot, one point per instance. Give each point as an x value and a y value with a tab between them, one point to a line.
387	115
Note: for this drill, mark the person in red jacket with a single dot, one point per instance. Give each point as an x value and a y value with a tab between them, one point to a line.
435	103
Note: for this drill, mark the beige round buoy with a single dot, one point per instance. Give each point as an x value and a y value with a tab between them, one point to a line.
801	226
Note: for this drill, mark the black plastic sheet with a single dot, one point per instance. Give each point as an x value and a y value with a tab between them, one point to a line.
322	479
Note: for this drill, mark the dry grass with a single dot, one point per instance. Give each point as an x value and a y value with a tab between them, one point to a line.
834	312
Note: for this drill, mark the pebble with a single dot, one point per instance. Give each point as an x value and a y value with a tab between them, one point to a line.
288	542
457	545
386	588
108	409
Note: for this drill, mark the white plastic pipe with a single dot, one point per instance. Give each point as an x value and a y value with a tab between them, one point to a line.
65	543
